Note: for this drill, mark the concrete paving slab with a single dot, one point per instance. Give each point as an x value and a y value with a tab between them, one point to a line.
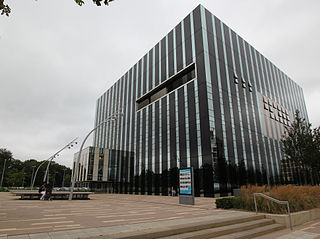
83	233
305	231
59	235
299	235
19	237
103	210
43	235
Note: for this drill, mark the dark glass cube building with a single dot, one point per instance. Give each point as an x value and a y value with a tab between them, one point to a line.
202	97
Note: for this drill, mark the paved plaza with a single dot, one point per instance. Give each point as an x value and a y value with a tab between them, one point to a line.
103	210
107	214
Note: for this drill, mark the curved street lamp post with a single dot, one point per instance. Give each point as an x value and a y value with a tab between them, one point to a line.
3	170
32	175
69	145
112	117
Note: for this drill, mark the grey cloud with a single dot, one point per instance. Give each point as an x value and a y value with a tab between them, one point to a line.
58	58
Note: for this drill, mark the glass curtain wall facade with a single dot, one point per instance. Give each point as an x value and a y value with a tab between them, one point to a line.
202	97
103	169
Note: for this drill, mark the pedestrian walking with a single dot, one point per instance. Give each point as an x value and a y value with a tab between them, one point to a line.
42	190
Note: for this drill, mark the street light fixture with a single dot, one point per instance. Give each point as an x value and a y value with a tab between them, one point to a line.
32	175
49	161
3	170
56	155
114	116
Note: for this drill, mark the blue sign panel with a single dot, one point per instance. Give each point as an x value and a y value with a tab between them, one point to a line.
185	181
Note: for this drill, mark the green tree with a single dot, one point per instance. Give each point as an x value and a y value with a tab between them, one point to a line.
6	10
67	179
315	163
97	2
5	156
18	172
299	146
14	178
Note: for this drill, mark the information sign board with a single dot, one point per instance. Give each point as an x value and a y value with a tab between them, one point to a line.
185	177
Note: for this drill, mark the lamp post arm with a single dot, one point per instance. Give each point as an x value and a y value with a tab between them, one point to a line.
35	175
3	170
32	176
64	172
75	169
78	161
46	173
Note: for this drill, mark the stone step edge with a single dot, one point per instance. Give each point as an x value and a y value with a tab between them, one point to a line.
225	230
253	232
184	228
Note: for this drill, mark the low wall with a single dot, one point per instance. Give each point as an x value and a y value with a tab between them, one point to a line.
298	218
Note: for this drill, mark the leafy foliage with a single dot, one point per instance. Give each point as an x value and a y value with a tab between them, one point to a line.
300	198
5	154
230	202
97	2
18	173
225	203
315	161
5	9
301	145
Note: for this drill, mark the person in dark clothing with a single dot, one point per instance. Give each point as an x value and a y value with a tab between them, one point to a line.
49	189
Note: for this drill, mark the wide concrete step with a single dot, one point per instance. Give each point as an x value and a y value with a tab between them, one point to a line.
175	230
253	233
223	230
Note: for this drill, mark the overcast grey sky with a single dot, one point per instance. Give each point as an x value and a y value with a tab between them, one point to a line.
57	58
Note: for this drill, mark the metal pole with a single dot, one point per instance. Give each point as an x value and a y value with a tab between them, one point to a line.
276	201
3	170
52	157
255	203
64	171
289	216
35	174
48	175
75	169
32	175
56	154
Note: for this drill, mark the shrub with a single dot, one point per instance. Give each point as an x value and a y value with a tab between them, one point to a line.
230	202
299	197
3	190
225	203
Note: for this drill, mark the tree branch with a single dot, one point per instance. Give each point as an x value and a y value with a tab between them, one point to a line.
5	9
